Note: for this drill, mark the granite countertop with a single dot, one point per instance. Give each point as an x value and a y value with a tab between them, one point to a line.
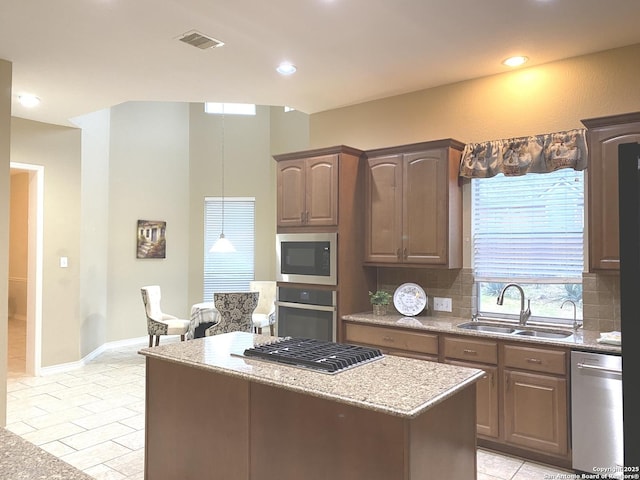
20	459
585	340
392	385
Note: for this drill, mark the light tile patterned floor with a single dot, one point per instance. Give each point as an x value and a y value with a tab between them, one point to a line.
93	418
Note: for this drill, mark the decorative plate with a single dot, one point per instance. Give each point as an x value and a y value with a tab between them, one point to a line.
409	299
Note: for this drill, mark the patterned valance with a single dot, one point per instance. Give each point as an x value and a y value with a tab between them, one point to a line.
518	156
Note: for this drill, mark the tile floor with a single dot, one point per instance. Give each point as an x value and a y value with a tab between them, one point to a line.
93	418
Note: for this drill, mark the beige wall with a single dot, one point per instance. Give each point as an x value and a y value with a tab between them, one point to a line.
148	180
527	101
5	130
18	243
94	210
57	149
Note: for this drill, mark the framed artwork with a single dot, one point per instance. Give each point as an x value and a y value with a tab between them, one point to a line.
151	239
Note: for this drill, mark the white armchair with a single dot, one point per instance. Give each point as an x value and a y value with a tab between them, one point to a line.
265	313
159	323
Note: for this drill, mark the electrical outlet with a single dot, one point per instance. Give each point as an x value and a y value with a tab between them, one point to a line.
442	304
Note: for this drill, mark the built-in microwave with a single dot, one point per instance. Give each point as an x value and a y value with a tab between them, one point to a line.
307	258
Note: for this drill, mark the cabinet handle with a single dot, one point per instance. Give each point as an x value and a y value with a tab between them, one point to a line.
534	360
507	377
306	217
469	352
388	339
398	253
302	217
404	253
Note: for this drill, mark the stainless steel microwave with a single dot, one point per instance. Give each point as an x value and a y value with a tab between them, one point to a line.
307	258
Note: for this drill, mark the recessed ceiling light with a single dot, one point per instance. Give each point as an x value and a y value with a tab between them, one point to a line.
28	100
286	68
515	61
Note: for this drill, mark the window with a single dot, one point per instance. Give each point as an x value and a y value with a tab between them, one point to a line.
229	272
230	108
529	230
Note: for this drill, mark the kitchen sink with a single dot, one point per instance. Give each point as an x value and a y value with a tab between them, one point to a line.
486	327
544	333
519	331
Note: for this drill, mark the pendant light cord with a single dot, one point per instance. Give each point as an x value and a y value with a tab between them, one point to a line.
222	230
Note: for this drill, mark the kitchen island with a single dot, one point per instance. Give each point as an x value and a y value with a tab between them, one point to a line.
212	413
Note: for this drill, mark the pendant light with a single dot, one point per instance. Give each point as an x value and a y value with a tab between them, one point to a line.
222	245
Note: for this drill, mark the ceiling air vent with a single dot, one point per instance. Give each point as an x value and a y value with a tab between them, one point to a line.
197	39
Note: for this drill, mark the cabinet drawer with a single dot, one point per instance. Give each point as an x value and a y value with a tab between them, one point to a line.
535	359
392	339
485	351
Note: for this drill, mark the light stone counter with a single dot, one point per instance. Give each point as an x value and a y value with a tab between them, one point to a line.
584	340
392	385
20	459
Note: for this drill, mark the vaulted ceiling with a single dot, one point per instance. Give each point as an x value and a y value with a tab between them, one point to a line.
80	56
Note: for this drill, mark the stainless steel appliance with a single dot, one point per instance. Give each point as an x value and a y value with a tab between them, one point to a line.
306	313
307	258
596	414
318	355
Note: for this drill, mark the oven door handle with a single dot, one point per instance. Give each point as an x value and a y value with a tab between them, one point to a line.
306	306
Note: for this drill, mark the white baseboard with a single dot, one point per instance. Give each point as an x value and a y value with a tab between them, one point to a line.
66	367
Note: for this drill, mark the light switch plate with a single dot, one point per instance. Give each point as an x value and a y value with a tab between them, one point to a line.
64	262
442	304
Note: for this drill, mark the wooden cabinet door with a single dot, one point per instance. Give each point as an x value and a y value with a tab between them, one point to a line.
425	207
291	192
487	423
321	190
535	411
383	210
604	247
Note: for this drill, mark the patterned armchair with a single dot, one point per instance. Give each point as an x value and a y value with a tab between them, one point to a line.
159	323
235	310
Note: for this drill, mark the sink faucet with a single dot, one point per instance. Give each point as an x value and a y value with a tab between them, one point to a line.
524	314
576	324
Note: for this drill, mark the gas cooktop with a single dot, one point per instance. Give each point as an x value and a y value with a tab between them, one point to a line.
319	355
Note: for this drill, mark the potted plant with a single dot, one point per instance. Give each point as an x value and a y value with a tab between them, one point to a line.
380	299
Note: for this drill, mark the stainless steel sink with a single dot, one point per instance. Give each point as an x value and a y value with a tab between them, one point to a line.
486	327
544	333
520	331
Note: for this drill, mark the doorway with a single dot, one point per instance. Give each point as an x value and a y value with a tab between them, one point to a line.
25	269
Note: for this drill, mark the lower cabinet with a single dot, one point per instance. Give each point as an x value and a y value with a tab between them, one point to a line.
394	341
483	355
522	402
535	399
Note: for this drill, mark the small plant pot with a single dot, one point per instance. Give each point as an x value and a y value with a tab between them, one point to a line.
379	309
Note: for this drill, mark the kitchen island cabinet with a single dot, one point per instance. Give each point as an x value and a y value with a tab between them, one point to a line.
211	413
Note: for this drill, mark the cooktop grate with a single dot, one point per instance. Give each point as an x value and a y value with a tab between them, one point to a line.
320	355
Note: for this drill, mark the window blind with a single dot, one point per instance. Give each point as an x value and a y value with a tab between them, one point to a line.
529	227
229	272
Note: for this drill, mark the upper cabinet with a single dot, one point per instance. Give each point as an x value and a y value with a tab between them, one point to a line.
413	205
604	135
308	191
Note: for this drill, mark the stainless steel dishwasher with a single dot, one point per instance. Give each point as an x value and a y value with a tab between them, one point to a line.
596	413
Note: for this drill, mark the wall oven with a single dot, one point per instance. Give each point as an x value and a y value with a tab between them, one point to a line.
306	313
307	258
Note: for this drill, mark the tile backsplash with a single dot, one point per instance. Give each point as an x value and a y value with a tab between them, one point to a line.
601	293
